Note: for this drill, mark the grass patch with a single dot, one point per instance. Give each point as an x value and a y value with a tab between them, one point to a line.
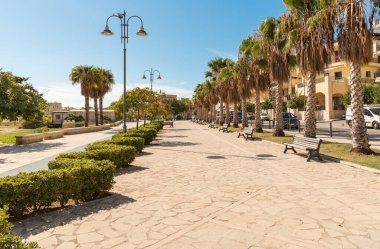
337	150
10	137
233	129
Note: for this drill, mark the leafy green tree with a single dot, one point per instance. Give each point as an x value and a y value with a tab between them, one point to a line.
268	104
371	95
297	102
18	98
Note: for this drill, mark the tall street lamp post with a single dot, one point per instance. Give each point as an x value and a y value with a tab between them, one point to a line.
151	74
124	24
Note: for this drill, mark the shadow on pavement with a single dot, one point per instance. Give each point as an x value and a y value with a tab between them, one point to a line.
130	169
216	157
220	155
29	148
175	136
174	144
41	223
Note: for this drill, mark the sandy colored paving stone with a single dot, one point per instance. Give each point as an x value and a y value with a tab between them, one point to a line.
197	188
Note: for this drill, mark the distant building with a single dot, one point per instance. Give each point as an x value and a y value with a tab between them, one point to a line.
165	96
107	114
53	107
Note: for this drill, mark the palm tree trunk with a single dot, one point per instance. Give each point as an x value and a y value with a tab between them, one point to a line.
310	121
358	129
228	119
214	113
87	110
258	122
221	119
96	111
278	128
244	112
236	120
101	110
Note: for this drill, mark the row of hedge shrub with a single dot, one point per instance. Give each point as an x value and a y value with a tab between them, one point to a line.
77	176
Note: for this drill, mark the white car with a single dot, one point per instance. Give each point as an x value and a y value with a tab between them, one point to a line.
264	117
371	115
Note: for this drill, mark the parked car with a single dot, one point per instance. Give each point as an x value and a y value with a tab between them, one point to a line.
289	119
264	117
250	115
371	115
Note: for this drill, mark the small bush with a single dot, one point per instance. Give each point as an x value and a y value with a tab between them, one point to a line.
82	180
136	142
147	133
7	240
121	156
179	117
79	124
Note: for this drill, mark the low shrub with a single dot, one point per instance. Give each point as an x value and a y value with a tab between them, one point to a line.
121	156
9	241
136	142
79	124
81	180
179	117
147	133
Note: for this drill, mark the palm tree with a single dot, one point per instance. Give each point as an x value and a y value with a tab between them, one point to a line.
226	79
244	86
275	45
215	66
95	85
83	75
106	87
355	46
312	34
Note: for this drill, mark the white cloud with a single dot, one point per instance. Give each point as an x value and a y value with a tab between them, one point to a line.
69	95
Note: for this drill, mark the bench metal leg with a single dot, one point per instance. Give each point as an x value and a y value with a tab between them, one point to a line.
289	148
309	155
319	157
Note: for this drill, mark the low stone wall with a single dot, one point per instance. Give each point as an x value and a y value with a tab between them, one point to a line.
29	138
80	130
117	123
53	135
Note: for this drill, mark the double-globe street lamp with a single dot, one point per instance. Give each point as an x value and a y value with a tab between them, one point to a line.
151	74
124	24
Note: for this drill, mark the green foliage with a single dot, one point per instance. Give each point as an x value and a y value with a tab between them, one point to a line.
268	103
371	95
74	117
179	117
81	180
7	240
297	102
178	106
121	156
136	142
19	99
147	133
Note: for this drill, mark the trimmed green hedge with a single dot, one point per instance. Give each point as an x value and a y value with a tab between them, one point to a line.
136	142
79	180
147	133
9	241
121	156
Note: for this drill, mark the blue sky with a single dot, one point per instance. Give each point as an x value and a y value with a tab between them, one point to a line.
45	39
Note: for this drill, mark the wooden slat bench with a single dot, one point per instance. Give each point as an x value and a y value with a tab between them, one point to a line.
168	123
224	128
211	125
311	145
247	133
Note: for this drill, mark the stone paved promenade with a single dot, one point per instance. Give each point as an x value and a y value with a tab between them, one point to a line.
197	188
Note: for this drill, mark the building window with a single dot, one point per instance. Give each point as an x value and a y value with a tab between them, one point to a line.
368	74
337	57
338	75
58	117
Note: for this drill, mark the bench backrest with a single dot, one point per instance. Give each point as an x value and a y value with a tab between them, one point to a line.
248	130
313	143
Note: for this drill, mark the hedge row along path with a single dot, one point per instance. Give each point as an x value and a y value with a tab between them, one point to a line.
197	188
30	157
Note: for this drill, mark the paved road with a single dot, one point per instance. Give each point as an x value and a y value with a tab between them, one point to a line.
341	132
32	157
198	188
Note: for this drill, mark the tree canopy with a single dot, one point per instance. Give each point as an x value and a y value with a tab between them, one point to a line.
18	98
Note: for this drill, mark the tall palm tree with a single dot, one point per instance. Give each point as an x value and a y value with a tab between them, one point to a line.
226	79
244	86
355	33
275	44
312	41
95	85
215	66
107	81
83	75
